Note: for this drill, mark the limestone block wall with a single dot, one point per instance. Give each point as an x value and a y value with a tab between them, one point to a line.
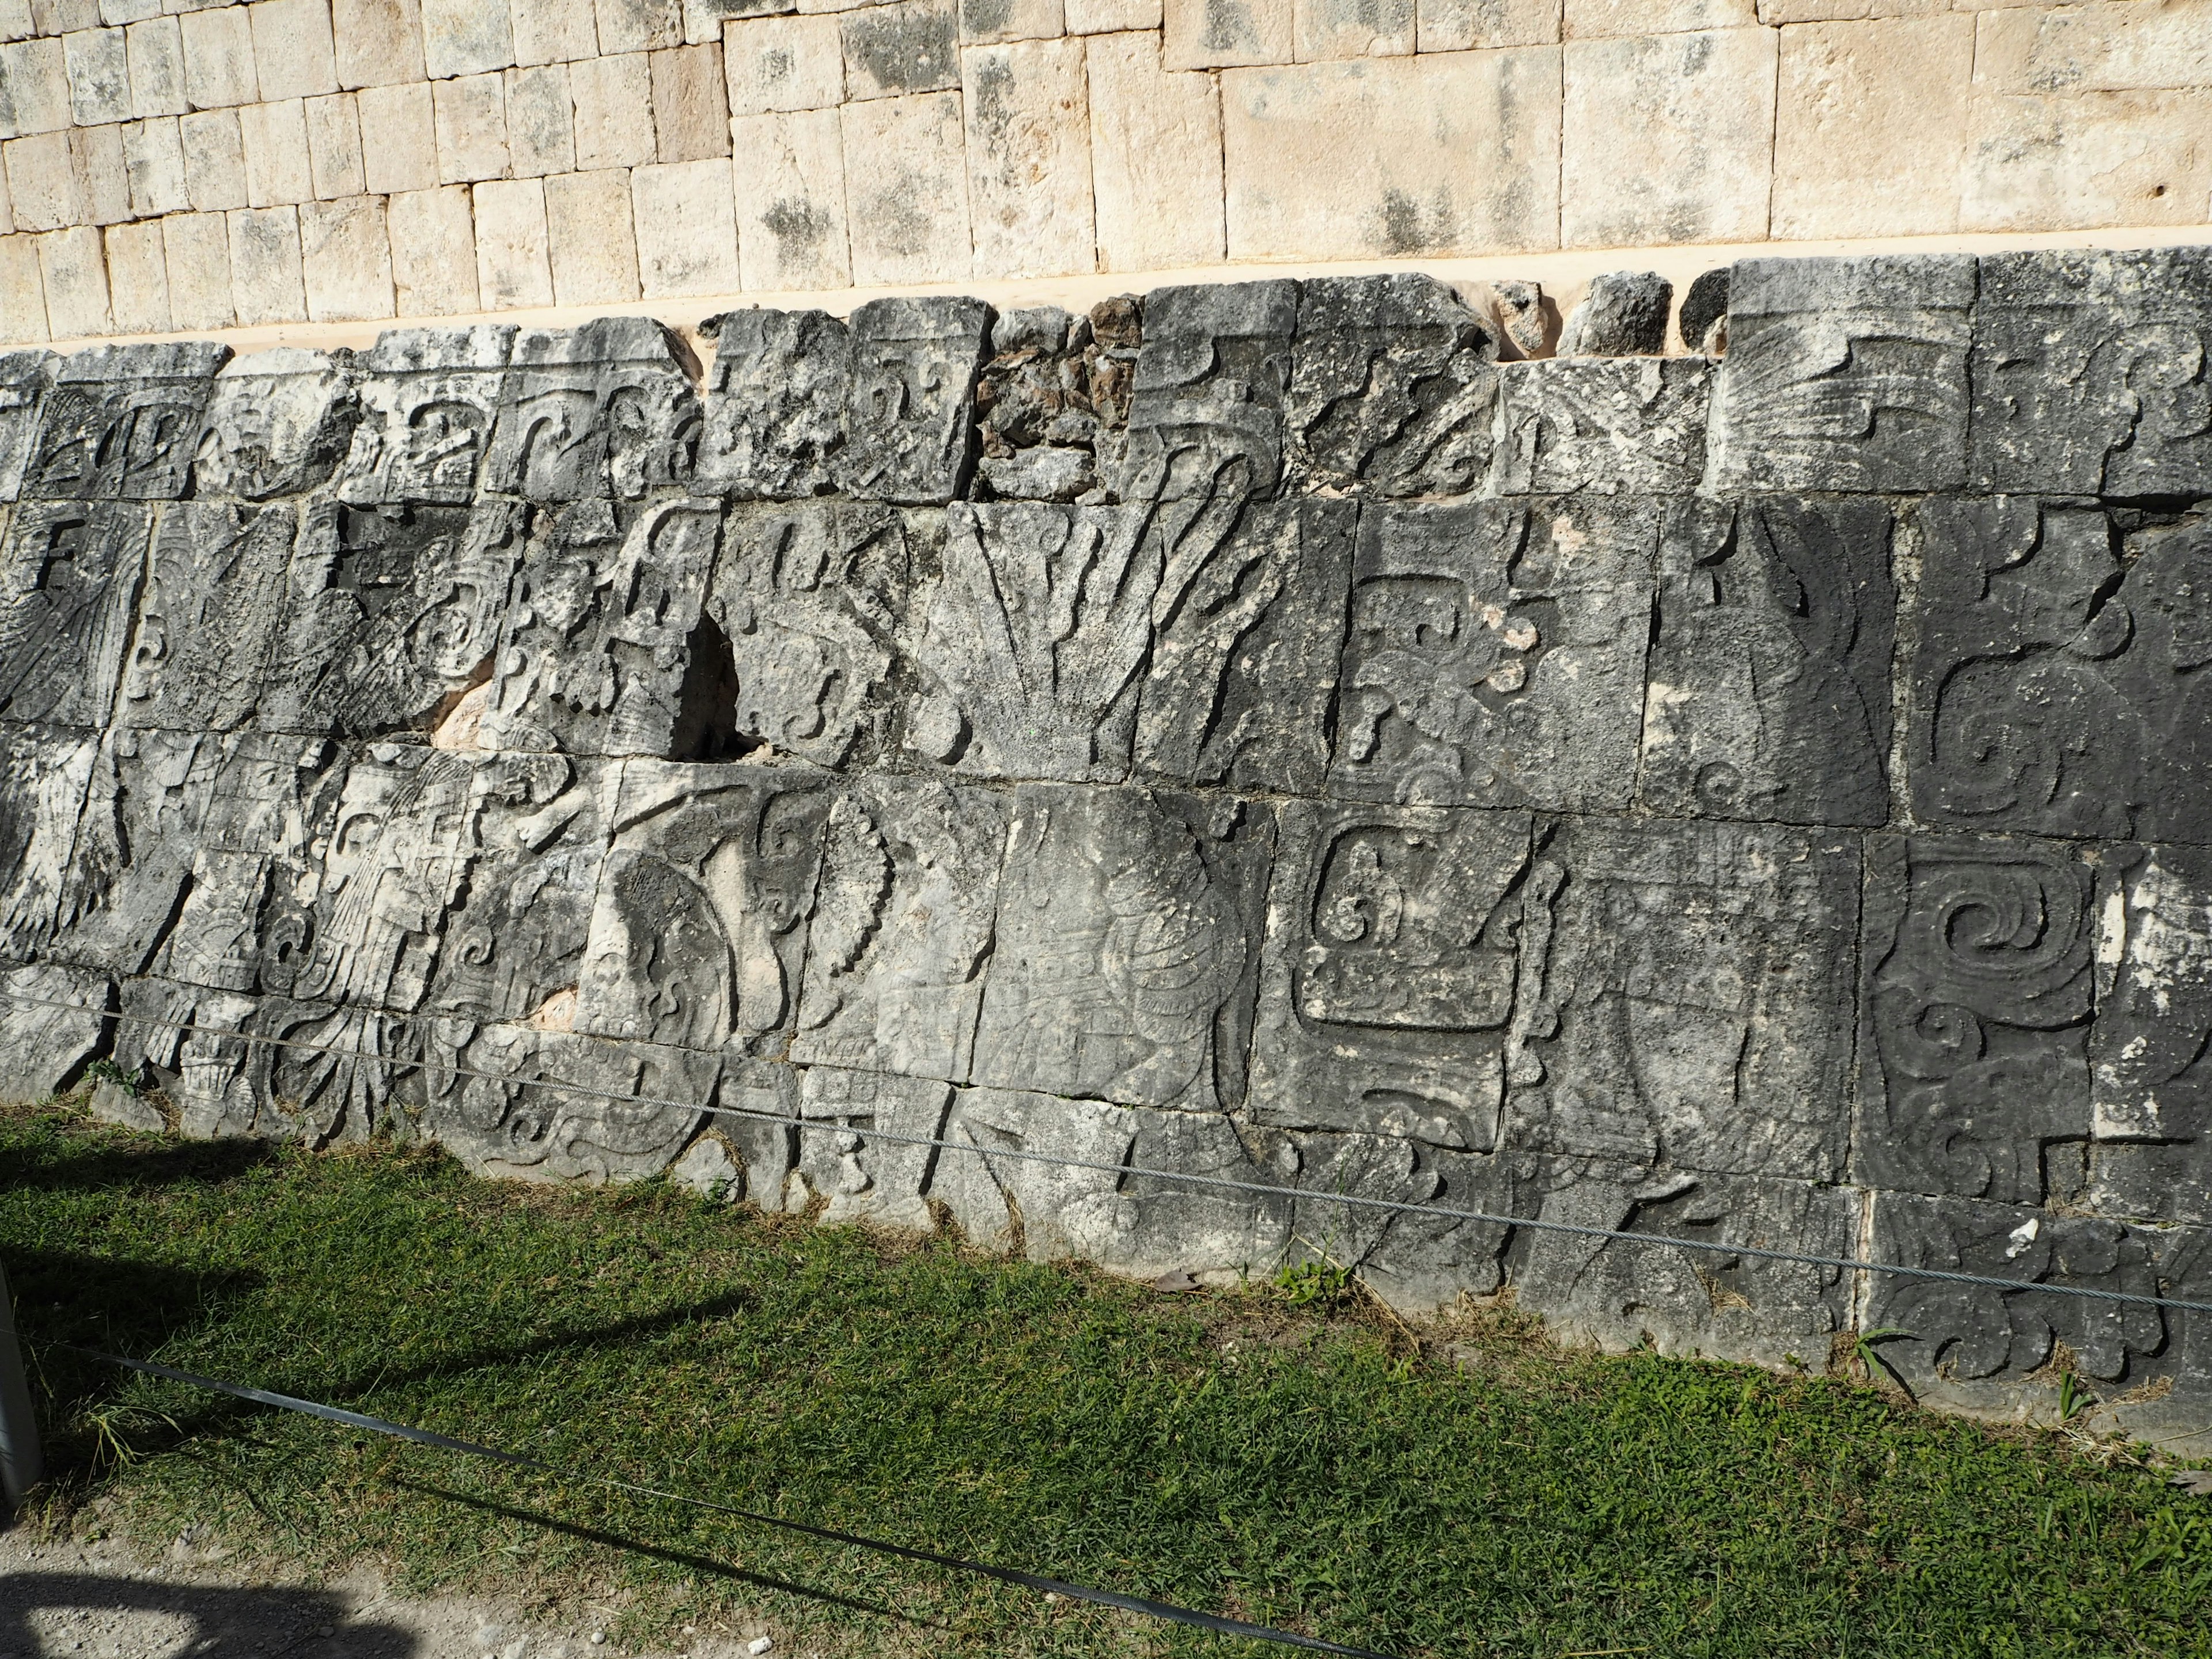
1250	732
173	166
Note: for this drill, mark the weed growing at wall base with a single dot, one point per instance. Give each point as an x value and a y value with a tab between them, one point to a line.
1302	1464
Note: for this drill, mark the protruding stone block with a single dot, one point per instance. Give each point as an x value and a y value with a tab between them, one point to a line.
1205	413
909	416
775	404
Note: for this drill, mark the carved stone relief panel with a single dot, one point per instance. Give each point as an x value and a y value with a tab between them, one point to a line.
903	926
394	613
44	1049
1605	424
1769	690
1845	374
1032	640
1392	391
71	583
2090	372
45	772
278	422
1496	653
812	599
1386	1004
1247	623
1975	1010
910	413
1127	946
121	422
25	377
214	601
864	1177
428	397
605	411
775	404
188	1041
1205	410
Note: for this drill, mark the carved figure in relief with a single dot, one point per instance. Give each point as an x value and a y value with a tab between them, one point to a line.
121	422
865	1177
71	583
1206	408
1607	424
44	773
214	600
428	397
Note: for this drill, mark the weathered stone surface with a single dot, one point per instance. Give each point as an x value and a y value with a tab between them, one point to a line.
1045	409
44	773
214	598
120	423
1845	374
1496	653
1702	320
1526	315
1391	389
428	398
868	1176
24	378
775	404
1247	623
2090	373
73	574
1623	314
278	422
43	1049
605	409
1768	694
909	414
1205	410
1608	424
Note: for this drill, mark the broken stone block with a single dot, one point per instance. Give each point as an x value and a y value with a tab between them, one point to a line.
1769	690
903	928
1523	313
1845	374
1032	641
24	378
606	410
1975	1008
428	397
278	422
865	1176
1206	409
121	422
813	599
759	1118
214	600
1040	424
1039	475
1127	946
910	412
73	574
1386	1003
1704	319
602	651
1391	389
1623	314
1418	1263
44	773
775	404
1600	424
1496	653
2089	372
1247	623
43	1049
697	931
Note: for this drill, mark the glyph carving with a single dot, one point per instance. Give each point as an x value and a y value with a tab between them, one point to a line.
428	397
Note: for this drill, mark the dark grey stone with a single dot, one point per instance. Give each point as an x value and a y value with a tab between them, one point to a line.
608	410
1206	408
73	574
1417	1262
1623	314
278	422
25	378
775	404
1601	425
1496	653
121	422
1045	405
212	607
1704	313
909	416
429	397
1769	690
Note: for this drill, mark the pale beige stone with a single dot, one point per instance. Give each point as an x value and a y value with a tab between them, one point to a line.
22	292
1870	127
705	19
552	31
1845	11
1155	158
6	208
16	24
60	16
73	268
138	279
690	108
513	269
687	229
1608	20
465	37
1455	154
434	253
1668	139
126	11
154	160
198	248
988	22
398	138
591	239
345	260
215	160
218	58
613	96
294	54
541	128
98	76
275	137
36	76
103	174
790	173
155	53
784	64
639	25
1111	16
906	189
470	116
334	157
377	42
44	190
2123	45
1225	34
1029	158
264	266
897	50
1353	29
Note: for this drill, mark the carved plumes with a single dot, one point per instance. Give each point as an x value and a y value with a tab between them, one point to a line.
856	886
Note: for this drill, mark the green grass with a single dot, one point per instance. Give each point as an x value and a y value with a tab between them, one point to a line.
1295	1464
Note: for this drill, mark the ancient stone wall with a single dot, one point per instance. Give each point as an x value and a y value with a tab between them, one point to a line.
1255	731
196	165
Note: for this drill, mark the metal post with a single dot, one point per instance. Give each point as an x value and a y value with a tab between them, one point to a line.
21	1466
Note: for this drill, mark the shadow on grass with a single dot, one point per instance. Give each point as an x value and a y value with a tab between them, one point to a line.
41	1612
141	1161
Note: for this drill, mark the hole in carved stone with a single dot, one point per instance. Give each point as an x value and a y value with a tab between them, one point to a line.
558	1012
457	723
707	704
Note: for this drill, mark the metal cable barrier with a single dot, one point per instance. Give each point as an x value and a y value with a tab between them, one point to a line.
1125	1171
